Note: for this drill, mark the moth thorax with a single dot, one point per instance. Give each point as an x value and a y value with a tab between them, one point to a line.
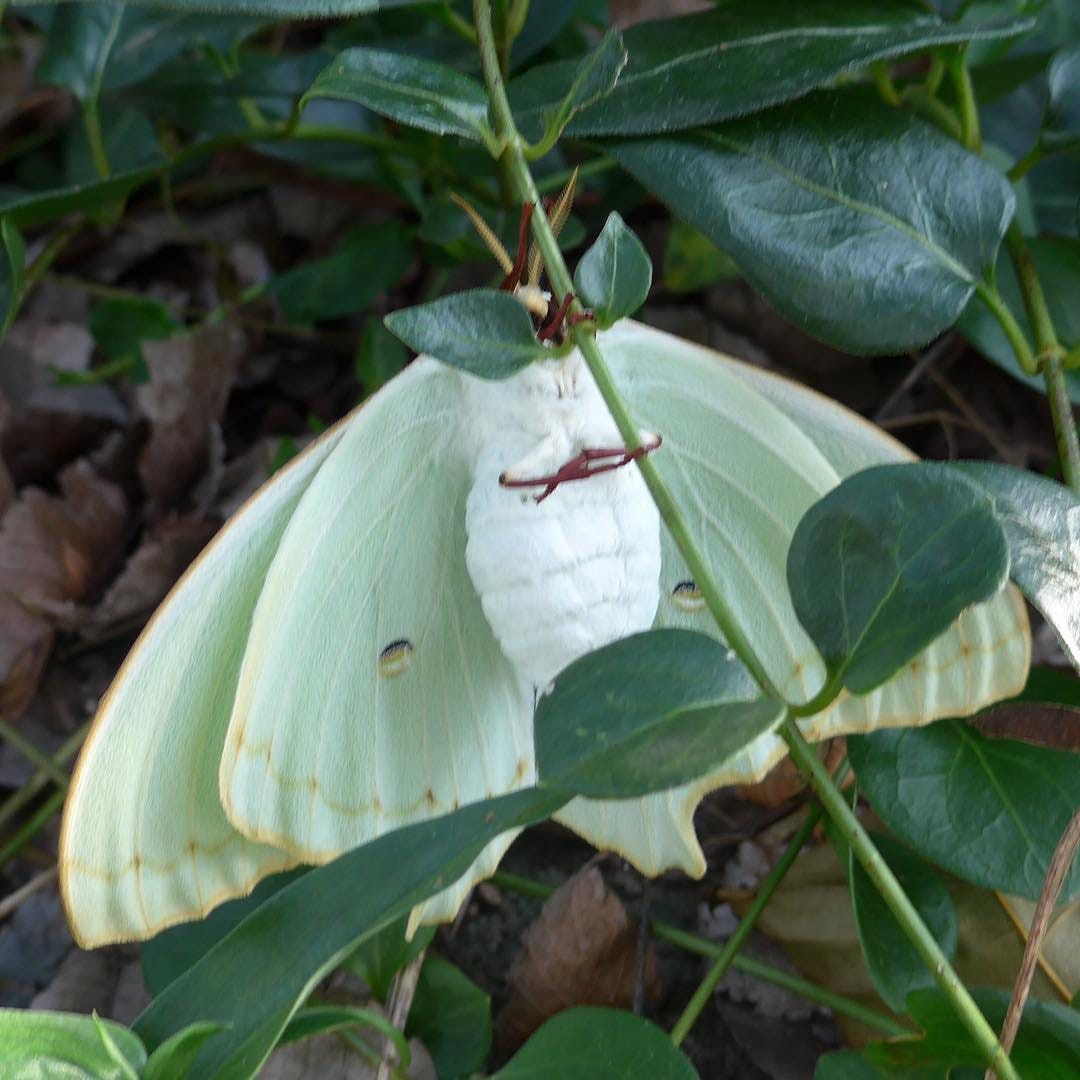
567	575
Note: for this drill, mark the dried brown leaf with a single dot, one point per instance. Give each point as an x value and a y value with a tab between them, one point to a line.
50	425
784	782
1035	723
164	554
54	549
580	950
810	916
190	379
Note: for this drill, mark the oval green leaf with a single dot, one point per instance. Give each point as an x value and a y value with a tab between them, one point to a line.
1041	522
368	261
747	55
482	331
892	961
62	1044
586	1043
615	274
989	811
413	91
886	561
647	713
865	226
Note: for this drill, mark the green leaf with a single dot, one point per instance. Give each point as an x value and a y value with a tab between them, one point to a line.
451	1016
120	326
647	713
692	261
1047	1046
175	1056
886	561
747	55
78	45
845	1065
865	226
383	954
1041	522
62	1044
413	91
305	929
295	9
325	1019
92	47
11	272
30	208
368	262
1061	126
482	331
589	1044
892	961
1057	262
130	143
989	811
172	952
547	96
379	356
615	274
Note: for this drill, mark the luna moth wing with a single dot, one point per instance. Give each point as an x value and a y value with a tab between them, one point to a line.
686	392
372	692
145	842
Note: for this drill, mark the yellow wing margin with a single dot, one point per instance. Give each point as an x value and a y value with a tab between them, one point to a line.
145	842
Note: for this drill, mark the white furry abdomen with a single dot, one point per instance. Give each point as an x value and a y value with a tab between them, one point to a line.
562	577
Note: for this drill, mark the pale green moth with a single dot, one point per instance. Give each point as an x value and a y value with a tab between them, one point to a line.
326	672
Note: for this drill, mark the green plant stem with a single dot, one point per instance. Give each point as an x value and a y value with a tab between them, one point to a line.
879	71
32	753
517	170
893	894
1013	330
970	135
935	110
839	1004
453	21
1024	165
20	798
700	946
40	817
1049	355
48	255
727	954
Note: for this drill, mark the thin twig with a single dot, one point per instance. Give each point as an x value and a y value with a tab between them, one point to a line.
398	1005
935	352
24	892
641	961
1060	865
